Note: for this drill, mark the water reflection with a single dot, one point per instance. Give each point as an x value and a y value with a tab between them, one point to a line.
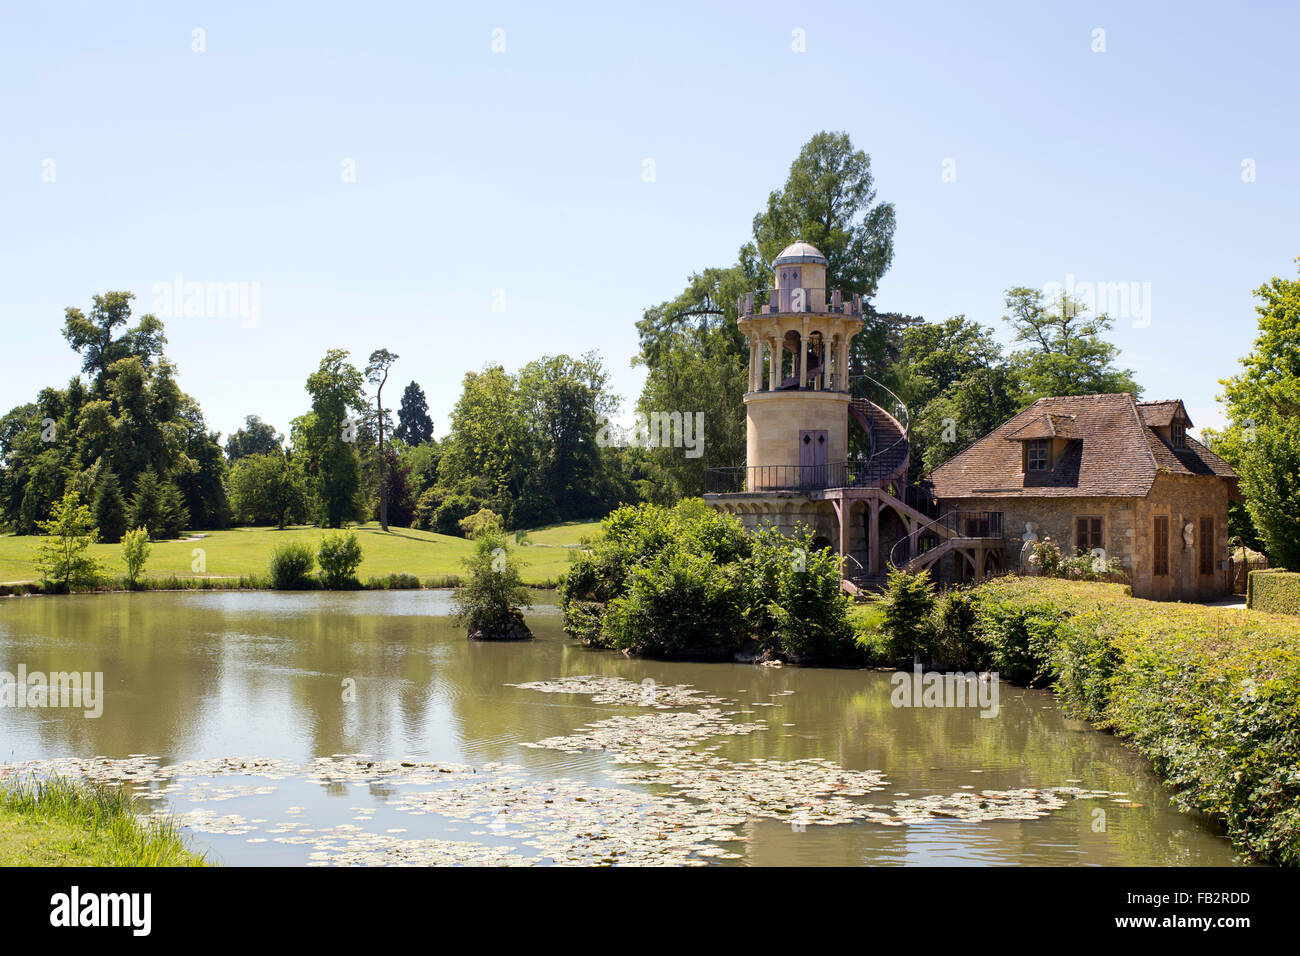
200	675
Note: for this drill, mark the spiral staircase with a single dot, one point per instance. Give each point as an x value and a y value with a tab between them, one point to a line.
881	480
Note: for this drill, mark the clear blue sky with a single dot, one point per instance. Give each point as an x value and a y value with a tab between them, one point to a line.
522	171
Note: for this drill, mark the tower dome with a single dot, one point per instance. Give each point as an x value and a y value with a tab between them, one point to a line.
799	252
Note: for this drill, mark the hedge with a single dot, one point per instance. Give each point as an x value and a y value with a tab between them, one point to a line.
1273	590
1210	695
691	582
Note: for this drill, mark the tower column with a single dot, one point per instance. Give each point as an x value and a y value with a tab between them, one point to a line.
803	355
753	363
873	537
774	365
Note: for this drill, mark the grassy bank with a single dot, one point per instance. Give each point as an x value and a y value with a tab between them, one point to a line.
58	823
1211	696
245	553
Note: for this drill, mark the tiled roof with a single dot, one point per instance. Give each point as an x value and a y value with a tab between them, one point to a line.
1113	453
1158	414
1044	426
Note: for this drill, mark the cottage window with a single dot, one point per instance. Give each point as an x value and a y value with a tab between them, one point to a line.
1087	533
1179	436
1207	544
1160	547
1038	453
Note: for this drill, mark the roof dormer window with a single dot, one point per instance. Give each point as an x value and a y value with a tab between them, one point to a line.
1179	433
1037	454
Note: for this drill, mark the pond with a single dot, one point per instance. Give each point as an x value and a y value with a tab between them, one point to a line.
362	727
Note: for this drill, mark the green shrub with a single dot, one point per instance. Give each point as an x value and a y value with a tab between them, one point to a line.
394	582
61	558
630	537
1273	590
426	509
485	519
1211	696
135	552
796	606
452	509
493	593
908	606
339	557
1019	636
868	623
583	620
956	645
1085	659
679	604
291	566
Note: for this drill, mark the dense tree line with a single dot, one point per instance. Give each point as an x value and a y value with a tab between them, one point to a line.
524	446
125	437
531	446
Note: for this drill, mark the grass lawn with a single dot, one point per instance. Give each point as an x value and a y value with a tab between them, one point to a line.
65	824
247	551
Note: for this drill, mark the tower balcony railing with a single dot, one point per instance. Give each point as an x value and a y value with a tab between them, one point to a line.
756	479
799	300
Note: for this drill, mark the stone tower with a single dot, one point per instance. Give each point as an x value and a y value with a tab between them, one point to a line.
797	404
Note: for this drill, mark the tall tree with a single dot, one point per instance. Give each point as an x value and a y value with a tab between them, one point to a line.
328	435
93	336
1263	439
957	385
565	400
414	426
381	360
1066	353
829	199
489	452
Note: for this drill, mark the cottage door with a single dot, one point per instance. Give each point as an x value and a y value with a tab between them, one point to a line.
813	445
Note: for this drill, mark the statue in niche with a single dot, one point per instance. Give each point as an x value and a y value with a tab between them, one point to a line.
1029	539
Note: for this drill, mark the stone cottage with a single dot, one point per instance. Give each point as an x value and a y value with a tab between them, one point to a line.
830	451
1100	472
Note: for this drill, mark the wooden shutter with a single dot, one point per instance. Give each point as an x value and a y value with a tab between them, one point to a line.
1087	533
1160	546
1207	544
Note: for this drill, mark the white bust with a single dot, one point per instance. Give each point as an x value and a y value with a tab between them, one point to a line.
1188	534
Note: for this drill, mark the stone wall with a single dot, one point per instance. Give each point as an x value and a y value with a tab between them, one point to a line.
1055	519
1128	532
1184	499
785	510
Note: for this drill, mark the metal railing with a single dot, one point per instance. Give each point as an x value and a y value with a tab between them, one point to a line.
817	301
951	524
881	462
879	397
754	478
